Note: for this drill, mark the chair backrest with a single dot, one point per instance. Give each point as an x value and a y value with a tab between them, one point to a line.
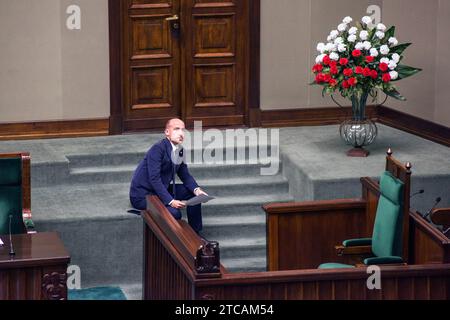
387	231
11	195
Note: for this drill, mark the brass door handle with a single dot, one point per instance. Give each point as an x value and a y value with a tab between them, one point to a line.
173	18
174	21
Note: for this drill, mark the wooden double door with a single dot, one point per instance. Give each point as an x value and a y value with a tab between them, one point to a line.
186	59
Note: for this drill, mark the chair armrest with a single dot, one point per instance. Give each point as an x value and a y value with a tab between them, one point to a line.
383	260
357	242
356	250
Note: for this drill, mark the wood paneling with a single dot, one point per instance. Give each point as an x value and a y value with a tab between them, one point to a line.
54	129
205	62
37	271
320	224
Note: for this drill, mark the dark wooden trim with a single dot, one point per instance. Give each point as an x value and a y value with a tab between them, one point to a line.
309	116
254	66
412	124
321	205
54	129
115	66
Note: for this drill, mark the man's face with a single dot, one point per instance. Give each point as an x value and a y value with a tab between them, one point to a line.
175	131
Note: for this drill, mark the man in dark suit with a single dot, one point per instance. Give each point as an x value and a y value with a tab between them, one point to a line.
155	175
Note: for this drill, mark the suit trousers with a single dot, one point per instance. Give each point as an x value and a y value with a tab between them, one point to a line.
194	213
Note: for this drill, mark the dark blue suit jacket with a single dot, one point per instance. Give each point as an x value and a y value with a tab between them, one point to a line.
154	174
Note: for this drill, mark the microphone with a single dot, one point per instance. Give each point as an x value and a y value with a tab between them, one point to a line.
11	248
416	193
438	199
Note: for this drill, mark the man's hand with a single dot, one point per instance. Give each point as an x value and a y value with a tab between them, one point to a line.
177	204
199	191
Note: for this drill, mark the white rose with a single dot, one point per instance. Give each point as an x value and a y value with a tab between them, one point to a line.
330	47
347	20
363	35
338	40
321	47
393	41
381	27
396	57
384	49
366	20
329	38
353	30
374	52
394	75
384	60
334	34
380	35
334	56
359	46
367	45
342	27
342	47
320	57
392	65
351	38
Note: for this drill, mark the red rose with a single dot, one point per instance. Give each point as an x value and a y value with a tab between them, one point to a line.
333	82
333	64
326	60
334	70
384	67
317	68
319	78
386	77
348	72
327	77
359	70
367	72
343	61
374	74
345	84
356	53
352	82
370	59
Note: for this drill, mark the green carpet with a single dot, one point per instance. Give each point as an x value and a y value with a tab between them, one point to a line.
97	293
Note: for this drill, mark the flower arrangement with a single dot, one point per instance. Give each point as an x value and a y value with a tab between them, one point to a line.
358	60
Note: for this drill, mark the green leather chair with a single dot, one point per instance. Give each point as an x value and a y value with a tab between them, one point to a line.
15	193
386	241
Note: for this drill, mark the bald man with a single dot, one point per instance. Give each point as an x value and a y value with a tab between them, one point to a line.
155	175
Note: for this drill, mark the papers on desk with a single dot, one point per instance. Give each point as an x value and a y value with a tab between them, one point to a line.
1	243
198	199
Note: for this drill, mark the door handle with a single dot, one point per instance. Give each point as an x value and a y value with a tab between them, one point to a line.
174	21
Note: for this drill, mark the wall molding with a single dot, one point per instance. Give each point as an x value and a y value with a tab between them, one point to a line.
54	129
309	116
412	124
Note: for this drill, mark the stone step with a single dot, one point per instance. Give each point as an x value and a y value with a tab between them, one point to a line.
124	173
241	247
192	155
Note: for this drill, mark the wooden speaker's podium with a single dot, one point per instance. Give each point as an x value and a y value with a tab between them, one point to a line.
37	271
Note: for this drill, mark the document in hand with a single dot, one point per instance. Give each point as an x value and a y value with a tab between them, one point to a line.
198	199
1	243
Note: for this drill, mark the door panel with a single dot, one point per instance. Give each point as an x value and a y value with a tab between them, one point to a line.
152	64
195	72
215	62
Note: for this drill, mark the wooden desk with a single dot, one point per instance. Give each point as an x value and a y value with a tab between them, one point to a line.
38	271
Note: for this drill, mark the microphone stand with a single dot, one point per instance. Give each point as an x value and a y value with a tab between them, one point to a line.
11	248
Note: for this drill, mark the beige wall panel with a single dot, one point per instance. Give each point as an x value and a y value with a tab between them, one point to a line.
442	106
415	22
30	60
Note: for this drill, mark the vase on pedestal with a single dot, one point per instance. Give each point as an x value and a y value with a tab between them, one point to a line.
358	131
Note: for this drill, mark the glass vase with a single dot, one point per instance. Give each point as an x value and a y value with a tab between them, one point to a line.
358	131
